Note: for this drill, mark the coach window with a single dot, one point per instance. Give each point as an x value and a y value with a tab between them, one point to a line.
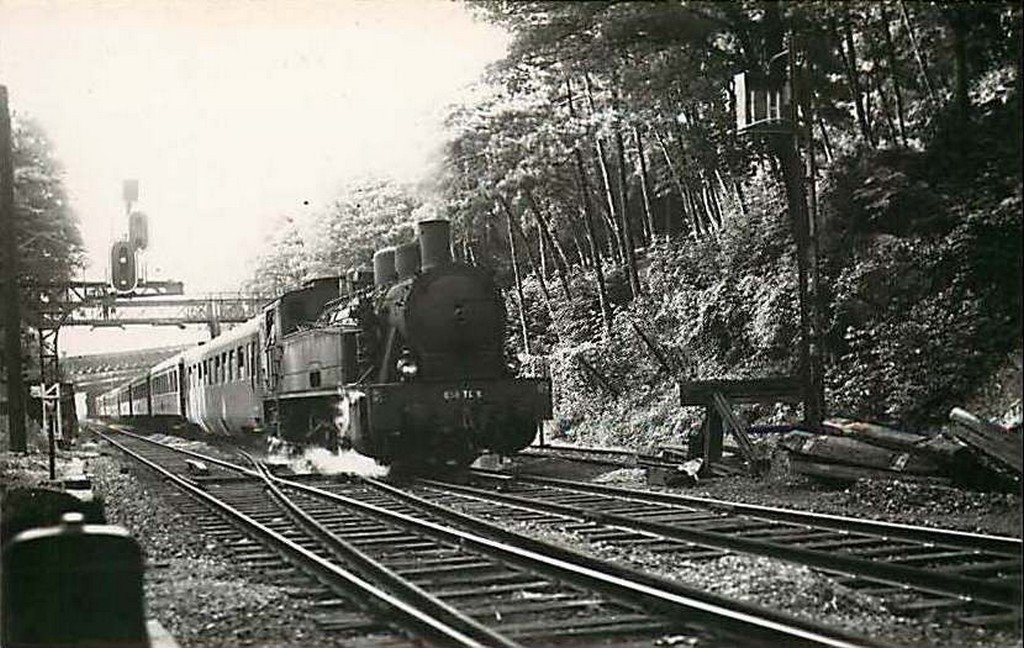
231	365
239	353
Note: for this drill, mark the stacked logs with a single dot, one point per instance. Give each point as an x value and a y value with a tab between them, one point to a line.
847	450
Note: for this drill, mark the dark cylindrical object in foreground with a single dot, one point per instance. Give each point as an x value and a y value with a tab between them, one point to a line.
73	585
407	260
434	237
384	267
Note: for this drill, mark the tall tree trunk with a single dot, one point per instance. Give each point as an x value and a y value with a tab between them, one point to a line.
515	274
611	208
883	105
616	248
826	143
644	189
700	209
894	77
542	252
707	194
917	54
627	231
516	227
584	260
587	208
543	226
602	294
694	225
959	18
849	56
740	198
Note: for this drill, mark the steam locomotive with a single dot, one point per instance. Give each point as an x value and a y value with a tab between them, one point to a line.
406	366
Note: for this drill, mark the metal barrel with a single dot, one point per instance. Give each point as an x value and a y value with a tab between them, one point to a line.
384	267
407	260
434	237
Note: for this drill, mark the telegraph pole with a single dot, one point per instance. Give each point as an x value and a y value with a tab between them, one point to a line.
10	296
803	215
766	104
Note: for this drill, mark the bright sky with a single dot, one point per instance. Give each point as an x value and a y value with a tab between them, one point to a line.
231	113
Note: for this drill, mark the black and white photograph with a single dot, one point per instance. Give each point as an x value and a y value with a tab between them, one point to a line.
498	323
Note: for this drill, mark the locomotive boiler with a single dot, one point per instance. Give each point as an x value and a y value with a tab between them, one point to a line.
406	366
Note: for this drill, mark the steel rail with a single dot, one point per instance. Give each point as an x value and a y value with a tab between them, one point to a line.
381	575
950	537
670	598
405	614
931	581
675	600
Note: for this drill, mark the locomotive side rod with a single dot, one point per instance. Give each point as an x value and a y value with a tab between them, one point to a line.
407	615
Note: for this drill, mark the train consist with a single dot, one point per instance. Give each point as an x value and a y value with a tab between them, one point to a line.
407	367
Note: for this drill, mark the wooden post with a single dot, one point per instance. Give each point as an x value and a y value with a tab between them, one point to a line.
713	437
10	297
788	153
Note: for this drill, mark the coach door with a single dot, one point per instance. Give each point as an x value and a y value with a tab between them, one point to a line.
183	388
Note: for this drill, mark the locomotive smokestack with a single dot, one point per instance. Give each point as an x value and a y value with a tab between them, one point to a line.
407	260
434	237
384	266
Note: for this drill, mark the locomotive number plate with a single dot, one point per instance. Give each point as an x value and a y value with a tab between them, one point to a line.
463	394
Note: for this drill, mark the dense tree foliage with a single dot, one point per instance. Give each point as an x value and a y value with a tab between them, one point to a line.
363	218
602	174
49	243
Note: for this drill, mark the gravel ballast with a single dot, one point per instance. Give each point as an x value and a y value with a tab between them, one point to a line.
192	587
796	589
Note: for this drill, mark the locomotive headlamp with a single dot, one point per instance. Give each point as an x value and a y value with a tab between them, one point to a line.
407	367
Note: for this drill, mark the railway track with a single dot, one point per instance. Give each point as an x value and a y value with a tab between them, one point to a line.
615	457
456	580
918	569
